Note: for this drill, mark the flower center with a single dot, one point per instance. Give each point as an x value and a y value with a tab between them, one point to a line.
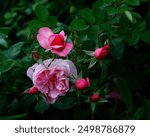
58	43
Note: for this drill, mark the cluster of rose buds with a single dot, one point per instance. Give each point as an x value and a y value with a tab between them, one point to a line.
51	77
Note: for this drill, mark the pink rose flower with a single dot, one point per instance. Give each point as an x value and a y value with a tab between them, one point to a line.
101	53
82	83
51	78
54	42
95	97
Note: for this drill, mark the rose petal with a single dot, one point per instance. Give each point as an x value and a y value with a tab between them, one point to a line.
51	38
62	34
31	70
46	32
49	100
73	69
65	51
43	36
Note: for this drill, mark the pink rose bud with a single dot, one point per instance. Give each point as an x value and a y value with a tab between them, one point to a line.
95	97
33	90
35	55
101	53
82	83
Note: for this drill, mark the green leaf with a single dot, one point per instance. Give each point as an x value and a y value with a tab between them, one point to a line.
51	21
88	52
124	92
2	35
41	106
92	63
145	36
41	12
14	117
93	32
87	15
129	16
99	15
35	25
79	24
102	100
117	48
140	26
4	32
136	15
3	43
124	8
111	10
93	106
65	102
133	38
13	50
133	2
6	65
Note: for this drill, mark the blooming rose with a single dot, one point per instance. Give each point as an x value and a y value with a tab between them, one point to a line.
54	42
82	83
51	77
95	97
101	53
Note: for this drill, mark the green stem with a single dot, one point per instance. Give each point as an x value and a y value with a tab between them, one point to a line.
78	95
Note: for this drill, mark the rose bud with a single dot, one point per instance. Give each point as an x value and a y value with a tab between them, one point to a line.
82	83
33	90
101	53
35	55
95	97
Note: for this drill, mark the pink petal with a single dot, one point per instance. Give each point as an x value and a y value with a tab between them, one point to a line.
62	33
43	41
45	32
65	51
54	93
51	38
31	70
56	47
49	100
43	36
73	69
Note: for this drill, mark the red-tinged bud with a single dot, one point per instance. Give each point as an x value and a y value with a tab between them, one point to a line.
82	83
33	90
35	55
95	97
102	52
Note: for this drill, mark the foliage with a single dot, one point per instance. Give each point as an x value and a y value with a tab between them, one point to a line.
90	24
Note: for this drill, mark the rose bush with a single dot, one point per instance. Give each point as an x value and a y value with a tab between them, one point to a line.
107	41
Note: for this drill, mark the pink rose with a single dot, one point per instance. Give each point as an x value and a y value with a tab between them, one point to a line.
101	53
82	83
54	42
51	78
95	97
